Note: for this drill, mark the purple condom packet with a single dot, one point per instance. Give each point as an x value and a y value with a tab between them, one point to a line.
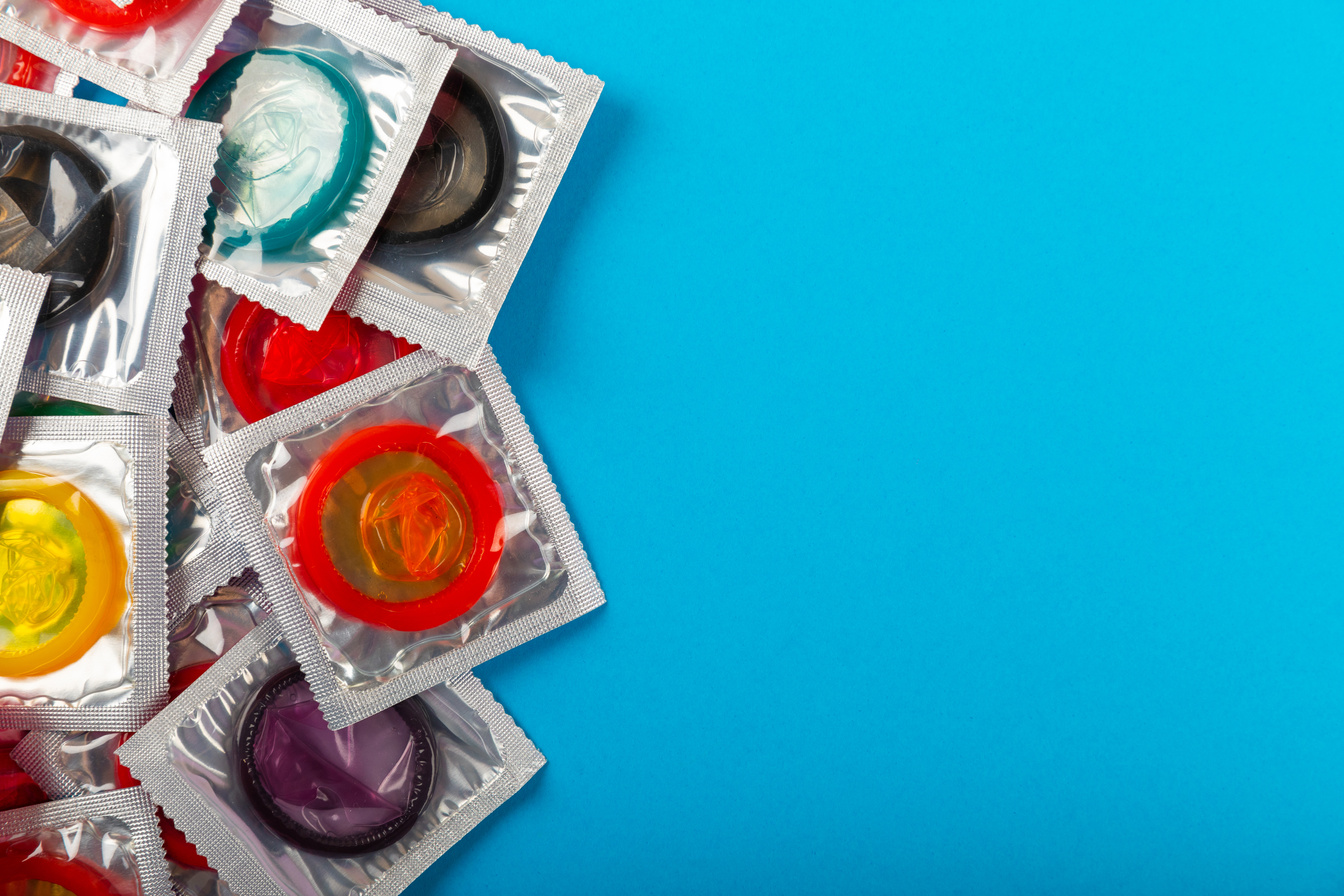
283	805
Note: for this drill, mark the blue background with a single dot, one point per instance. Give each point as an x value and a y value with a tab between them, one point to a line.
949	402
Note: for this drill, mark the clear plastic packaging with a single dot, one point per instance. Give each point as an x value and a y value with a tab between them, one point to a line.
101	844
502	131
82	507
149	51
282	806
22	69
405	529
21	296
321	103
118	199
241	362
203	553
66	764
70	764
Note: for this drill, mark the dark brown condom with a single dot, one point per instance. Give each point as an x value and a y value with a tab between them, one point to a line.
456	172
56	215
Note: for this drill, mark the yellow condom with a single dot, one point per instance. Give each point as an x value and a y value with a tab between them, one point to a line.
62	574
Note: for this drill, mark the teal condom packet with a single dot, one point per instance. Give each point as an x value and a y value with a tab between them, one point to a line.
320	105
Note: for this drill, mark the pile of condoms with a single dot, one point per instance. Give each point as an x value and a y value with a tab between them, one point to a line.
266	498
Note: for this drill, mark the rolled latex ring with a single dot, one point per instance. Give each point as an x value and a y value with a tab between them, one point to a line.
56	215
22	866
311	816
455	173
296	138
62	574
269	363
104	15
400	527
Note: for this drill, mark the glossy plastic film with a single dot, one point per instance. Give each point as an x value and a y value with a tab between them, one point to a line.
70	764
321	103
23	69
198	759
499	138
66	764
21	296
122	194
81	590
203	553
149	51
363	655
106	844
241	362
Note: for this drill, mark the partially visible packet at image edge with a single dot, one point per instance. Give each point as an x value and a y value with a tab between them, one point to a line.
109	330
451	755
153	66
102	843
445	255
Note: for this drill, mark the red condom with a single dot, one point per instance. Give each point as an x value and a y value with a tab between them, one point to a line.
105	15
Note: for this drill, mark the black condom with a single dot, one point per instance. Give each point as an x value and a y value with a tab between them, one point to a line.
345	792
56	214
456	171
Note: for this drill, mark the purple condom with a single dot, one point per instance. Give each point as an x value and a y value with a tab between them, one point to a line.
348	791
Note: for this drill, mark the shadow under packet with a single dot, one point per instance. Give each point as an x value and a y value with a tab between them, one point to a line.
83	607
104	844
321	102
282	805
66	764
502	131
405	528
109	202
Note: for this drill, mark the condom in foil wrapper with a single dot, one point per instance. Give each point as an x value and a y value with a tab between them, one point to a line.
242	362
68	764
21	296
23	69
405	528
149	51
203	552
502	131
282	805
104	844
109	202
82	643
321	103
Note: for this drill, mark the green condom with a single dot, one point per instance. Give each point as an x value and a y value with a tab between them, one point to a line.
296	137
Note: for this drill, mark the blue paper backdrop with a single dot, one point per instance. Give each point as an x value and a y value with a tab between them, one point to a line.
948	396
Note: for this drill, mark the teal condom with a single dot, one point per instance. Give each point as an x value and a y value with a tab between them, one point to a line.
296	135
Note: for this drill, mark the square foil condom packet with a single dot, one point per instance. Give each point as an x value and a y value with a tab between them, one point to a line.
104	844
282	805
321	102
405	529
82	625
68	764
148	51
241	362
109	202
499	137
21	296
